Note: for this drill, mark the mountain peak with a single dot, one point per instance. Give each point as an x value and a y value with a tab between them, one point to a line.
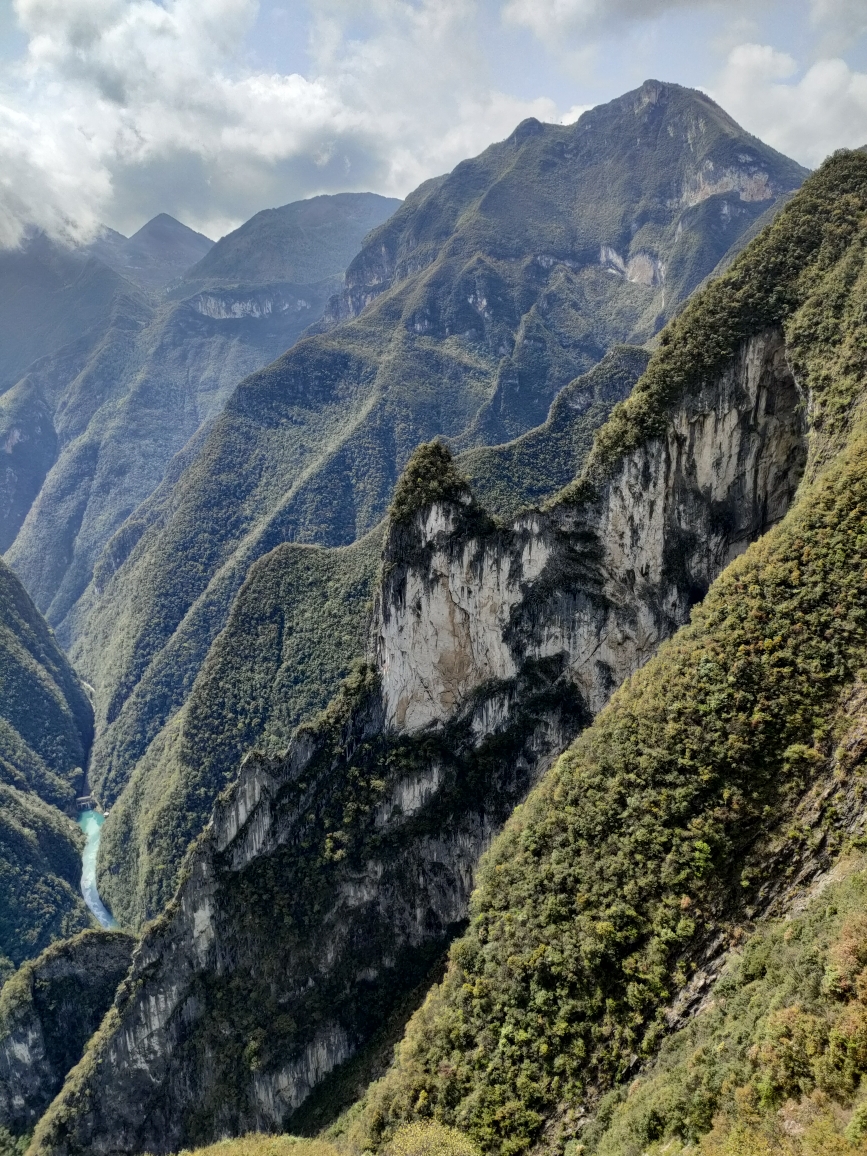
302	242
164	226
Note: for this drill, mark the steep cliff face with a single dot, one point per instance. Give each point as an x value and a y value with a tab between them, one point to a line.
295	629
484	295
48	1012
330	879
599	584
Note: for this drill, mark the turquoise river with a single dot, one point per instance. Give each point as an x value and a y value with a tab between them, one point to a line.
91	822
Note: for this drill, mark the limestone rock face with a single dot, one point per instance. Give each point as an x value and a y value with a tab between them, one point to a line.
602	584
329	879
48	1011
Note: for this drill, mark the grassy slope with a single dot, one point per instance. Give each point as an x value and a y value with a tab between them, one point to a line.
774	1064
501	256
45	731
629	856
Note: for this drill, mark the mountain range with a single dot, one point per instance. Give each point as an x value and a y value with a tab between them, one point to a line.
463	316
476	690
128	374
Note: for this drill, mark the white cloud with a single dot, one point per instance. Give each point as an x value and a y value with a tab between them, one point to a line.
551	20
120	102
805	118
841	22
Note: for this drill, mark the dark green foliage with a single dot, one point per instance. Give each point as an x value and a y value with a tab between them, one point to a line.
298	624
45	732
48	1011
40	868
630	853
506	479
429	476
13	1145
45	716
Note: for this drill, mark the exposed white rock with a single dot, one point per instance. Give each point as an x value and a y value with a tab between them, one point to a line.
225	306
278	1093
447	637
725	471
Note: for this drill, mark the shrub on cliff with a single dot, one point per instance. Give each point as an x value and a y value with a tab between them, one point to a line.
429	476
257	1144
429	1138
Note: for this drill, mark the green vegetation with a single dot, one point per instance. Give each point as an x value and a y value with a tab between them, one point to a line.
415	1140
45	716
300	243
296	628
257	1144
775	1063
45	732
430	476
40	866
466	313
506	479
593	904
49	1009
13	1145
428	1138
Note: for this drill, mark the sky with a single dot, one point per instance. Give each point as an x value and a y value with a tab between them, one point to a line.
112	111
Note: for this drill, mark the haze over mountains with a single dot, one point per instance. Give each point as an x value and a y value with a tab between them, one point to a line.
128	375
481	573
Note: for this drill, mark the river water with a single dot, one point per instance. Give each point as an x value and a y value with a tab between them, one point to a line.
91	822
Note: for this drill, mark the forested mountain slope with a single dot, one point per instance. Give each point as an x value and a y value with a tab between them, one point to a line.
713	785
487	292
45	733
89	429
160	252
296	627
